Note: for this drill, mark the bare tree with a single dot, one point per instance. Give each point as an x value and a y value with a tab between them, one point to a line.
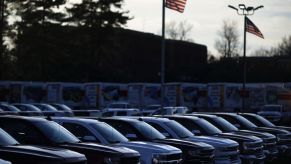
284	48
179	31
228	42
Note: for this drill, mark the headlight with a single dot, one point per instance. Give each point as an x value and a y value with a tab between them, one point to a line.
158	157
281	137
111	160
245	146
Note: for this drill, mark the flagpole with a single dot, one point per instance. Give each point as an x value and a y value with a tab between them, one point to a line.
244	67
245	12
163	57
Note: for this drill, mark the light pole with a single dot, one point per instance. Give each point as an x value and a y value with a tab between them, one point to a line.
244	11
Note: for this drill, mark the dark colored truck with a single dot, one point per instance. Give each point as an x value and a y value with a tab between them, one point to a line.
16	153
283	136
138	130
39	131
269	140
251	147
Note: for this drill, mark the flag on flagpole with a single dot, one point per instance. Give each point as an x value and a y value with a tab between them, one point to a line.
252	28
177	5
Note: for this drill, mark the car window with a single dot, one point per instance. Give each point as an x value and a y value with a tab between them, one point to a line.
23	132
108	133
160	129
79	131
55	132
6	139
191	126
123	128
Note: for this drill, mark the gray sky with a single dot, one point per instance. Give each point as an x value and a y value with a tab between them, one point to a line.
206	16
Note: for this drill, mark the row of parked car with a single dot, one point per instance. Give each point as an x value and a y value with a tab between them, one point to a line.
190	138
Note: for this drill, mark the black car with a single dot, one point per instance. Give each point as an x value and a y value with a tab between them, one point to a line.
48	110
12	151
283	136
27	110
251	147
64	108
39	131
269	140
8	109
138	130
260	121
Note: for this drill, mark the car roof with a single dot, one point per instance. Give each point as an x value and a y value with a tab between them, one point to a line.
125	119
226	114
203	115
30	119
182	116
160	119
84	120
249	114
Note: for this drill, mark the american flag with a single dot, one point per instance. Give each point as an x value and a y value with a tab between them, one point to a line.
177	5
252	28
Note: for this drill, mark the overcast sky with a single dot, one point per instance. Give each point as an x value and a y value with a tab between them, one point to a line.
206	16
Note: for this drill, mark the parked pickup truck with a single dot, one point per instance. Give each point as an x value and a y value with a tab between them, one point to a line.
137	130
16	153
89	130
39	131
251	147
226	150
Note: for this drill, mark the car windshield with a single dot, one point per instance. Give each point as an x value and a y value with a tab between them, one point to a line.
30	108
6	139
56	132
148	131
109	133
207	127
62	107
180	130
224	125
45	107
246	123
9	108
264	121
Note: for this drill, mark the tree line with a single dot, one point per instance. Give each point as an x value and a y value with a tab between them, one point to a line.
50	40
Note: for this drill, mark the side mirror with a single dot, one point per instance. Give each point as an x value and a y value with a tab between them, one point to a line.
89	139
131	136
196	132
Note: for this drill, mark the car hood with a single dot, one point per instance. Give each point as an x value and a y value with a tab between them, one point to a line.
216	142
184	145
262	135
149	147
101	149
239	138
284	128
47	152
274	131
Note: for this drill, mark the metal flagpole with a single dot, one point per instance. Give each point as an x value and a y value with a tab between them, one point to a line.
244	68
163	57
